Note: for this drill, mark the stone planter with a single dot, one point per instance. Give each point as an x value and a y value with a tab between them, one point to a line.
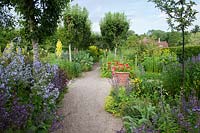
122	78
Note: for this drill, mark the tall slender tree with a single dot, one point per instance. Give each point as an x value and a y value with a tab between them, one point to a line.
78	26
114	28
180	16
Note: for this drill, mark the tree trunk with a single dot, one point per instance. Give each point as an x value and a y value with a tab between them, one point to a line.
183	58
35	50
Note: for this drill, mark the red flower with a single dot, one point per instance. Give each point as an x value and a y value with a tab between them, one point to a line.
116	63
113	69
127	65
109	65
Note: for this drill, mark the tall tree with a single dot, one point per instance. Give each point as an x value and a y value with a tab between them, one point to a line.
158	34
78	26
114	28
39	18
180	16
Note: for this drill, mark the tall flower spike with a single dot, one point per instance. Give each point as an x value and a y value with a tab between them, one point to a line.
58	48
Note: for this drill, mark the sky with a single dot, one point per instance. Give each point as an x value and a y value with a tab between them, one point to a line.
142	15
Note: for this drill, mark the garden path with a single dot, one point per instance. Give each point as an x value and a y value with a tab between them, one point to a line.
84	106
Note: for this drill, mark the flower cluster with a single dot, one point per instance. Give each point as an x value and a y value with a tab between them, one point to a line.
188	113
59	48
28	92
118	67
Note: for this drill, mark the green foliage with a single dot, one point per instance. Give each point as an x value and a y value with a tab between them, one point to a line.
193	77
194	38
158	34
78	26
155	60
111	105
95	52
114	28
73	69
171	78
190	51
139	113
96	40
6	36
133	41
180	16
174	38
40	17
114	101
196	29
85	60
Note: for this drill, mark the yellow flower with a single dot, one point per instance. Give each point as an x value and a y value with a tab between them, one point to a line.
9	48
58	48
136	81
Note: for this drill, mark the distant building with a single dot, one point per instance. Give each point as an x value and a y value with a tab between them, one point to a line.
162	44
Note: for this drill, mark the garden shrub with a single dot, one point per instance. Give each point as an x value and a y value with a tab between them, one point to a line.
193	77
72	69
85	60
172	78
114	100
155	60
95	52
117	64
110	105
187	113
29	94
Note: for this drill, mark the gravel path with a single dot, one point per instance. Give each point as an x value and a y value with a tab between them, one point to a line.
84	106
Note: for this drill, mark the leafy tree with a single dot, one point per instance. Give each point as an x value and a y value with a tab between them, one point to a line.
114	28
196	29
50	42
156	34
133	41
6	35
39	18
180	17
174	38
130	33
78	26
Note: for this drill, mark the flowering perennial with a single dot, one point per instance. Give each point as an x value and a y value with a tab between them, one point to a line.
28	92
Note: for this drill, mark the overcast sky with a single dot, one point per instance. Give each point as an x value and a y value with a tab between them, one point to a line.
143	16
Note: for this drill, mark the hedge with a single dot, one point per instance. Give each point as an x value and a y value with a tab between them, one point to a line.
190	51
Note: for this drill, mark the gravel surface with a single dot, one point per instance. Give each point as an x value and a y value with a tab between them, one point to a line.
83	106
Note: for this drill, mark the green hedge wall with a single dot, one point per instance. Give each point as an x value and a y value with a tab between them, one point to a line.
190	51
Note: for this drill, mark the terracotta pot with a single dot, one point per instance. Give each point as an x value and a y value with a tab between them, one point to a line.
122	78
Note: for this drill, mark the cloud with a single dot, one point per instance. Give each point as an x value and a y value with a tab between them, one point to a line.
95	27
162	15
